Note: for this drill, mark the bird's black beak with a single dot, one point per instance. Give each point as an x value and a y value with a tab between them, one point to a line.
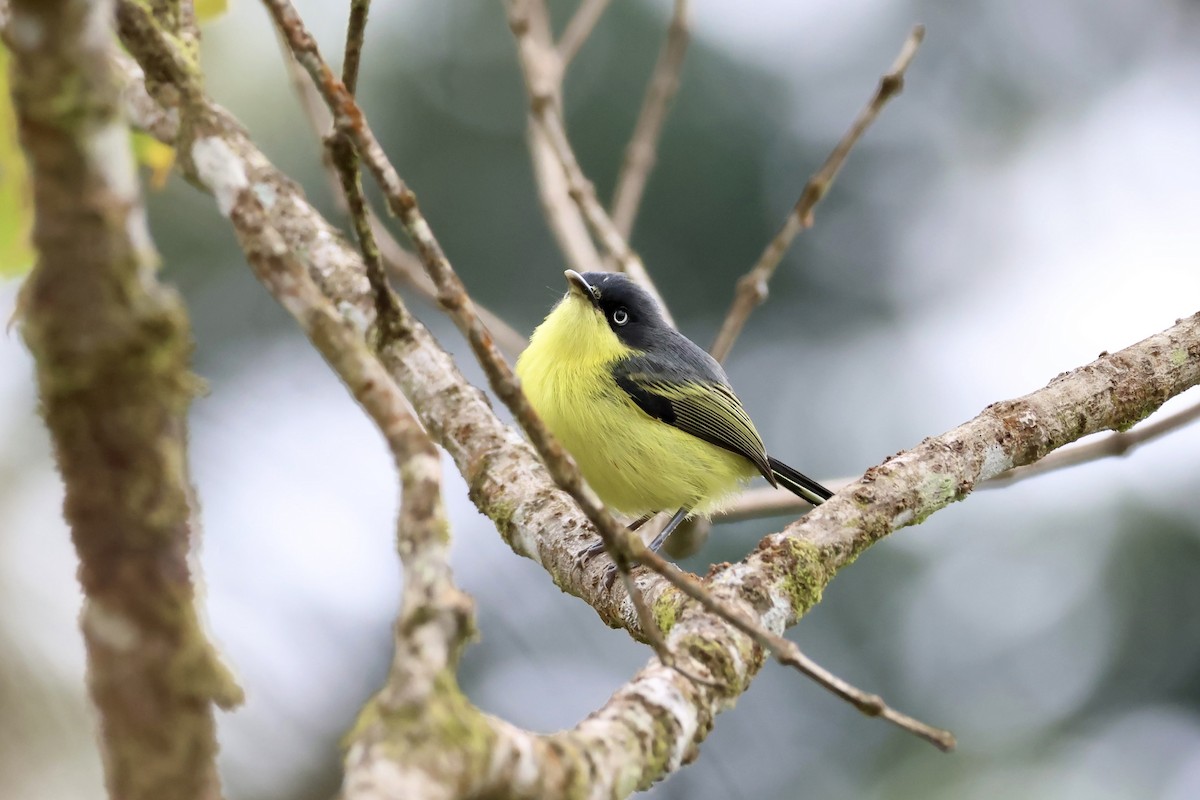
578	285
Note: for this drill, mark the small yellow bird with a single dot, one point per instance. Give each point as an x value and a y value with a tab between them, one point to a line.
649	416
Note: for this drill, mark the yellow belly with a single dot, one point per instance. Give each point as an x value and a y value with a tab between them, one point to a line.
636	463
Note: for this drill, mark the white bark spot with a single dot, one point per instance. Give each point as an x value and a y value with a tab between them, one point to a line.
97	33
109	151
109	628
266	195
353	315
379	777
25	32
220	169
775	618
514	757
525	541
660	689
995	461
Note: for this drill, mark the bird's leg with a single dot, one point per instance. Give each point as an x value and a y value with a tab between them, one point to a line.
597	547
610	574
679	517
640	521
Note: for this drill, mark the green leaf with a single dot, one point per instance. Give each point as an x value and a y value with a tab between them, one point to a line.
155	156
16	198
207	10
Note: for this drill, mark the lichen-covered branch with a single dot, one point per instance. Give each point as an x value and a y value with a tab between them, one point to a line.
112	347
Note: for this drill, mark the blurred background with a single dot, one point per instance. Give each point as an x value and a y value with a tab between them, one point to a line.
1028	202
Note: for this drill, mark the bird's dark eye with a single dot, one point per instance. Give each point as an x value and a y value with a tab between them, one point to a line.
620	316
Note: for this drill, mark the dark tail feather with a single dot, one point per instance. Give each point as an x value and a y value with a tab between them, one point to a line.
798	483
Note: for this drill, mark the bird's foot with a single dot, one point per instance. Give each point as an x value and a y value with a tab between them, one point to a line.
585	556
610	576
597	549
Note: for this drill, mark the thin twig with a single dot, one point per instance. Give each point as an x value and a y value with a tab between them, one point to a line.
642	151
400	262
579	29
356	31
619	543
345	162
789	654
768	501
561	214
543	80
752	287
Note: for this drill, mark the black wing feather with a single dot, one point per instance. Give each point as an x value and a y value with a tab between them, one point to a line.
686	388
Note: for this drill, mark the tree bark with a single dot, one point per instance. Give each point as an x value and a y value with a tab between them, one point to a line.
112	347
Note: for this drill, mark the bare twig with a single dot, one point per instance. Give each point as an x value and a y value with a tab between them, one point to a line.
112	347
641	153
579	29
619	543
752	287
356	30
787	653
543	81
345	163
561	213
404	265
767	501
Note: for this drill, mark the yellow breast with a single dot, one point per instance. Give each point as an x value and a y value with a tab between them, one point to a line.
636	463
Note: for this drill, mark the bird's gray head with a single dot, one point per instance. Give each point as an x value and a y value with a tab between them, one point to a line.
630	311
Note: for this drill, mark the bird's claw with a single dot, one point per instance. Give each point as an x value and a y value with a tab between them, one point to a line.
588	553
610	576
591	551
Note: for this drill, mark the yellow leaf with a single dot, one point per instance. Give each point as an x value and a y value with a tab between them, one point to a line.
155	155
16	198
210	9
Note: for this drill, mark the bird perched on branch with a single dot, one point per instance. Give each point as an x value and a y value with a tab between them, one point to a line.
649	417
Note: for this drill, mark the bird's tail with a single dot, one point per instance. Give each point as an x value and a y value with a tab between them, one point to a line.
798	483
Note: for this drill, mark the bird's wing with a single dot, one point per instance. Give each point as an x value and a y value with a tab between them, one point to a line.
696	399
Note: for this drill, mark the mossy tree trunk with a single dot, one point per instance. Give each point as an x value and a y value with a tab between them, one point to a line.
112	347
